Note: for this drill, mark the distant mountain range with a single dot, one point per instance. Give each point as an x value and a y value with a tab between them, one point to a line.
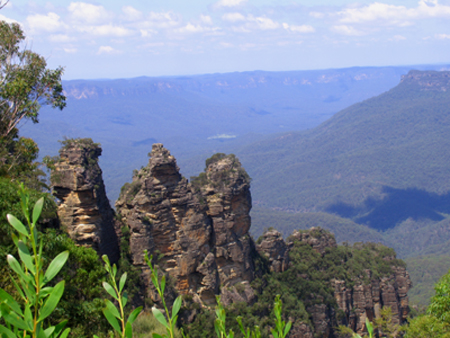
198	115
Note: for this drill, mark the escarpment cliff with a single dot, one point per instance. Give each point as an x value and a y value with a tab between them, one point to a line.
84	209
363	279
199	231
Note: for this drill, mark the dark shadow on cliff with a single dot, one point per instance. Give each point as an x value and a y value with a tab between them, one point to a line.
397	206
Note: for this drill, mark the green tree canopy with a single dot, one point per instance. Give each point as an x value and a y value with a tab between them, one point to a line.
25	81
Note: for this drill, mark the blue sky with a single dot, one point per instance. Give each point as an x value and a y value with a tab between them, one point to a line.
116	39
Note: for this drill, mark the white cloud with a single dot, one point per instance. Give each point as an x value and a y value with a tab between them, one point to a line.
44	23
393	15
299	29
317	15
263	22
346	30
191	28
131	13
233	17
108	50
229	3
442	36
70	50
250	23
206	19
147	32
60	38
398	38
106	30
162	20
226	45
89	13
8	20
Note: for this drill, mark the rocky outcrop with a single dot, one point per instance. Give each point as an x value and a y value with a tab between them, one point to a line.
362	298
83	209
198	231
428	80
366	300
318	238
274	248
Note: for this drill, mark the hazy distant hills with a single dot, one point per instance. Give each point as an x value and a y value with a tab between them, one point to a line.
376	171
377	162
197	115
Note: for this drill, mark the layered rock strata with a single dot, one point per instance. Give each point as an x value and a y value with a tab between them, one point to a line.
198	231
364	299
83	209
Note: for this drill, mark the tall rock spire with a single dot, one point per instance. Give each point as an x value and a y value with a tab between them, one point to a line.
84	209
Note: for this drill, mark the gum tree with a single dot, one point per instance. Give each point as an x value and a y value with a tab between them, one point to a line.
25	82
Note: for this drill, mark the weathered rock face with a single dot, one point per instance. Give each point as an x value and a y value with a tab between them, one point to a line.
428	80
366	300
84	209
363	299
275	249
199	231
318	238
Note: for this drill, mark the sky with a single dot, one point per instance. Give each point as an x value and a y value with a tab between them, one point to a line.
118	39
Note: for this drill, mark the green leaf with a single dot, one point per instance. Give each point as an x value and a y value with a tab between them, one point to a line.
133	315
125	299
18	288
160	317
287	329
14	264
155	335
52	301
128	331
28	316
56	266
176	306
163	285
60	327
37	209
7	299
45	292
15	320
110	306
49	331
110	290
112	320
65	333
30	290
122	281
15	239
18	225
7	332
25	256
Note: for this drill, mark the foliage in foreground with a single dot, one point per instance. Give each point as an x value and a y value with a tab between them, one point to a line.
38	299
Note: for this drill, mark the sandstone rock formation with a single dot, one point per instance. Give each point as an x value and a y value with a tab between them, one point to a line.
198	231
363	299
274	248
84	209
366	300
428	80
